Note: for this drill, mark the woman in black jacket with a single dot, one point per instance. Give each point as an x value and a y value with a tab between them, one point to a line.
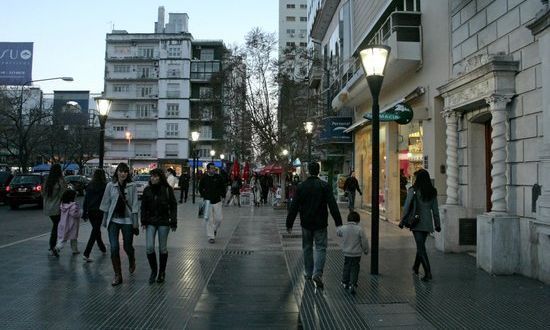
90	210
158	215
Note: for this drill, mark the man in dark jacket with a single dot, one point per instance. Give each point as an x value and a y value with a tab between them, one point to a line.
212	189
350	186
311	200
184	186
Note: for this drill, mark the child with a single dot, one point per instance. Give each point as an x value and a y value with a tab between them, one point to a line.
69	222
278	195
354	244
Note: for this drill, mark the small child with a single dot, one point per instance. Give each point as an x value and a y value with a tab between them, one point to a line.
354	244
278	193
69	221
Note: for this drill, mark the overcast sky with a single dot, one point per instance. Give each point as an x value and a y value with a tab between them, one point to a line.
69	35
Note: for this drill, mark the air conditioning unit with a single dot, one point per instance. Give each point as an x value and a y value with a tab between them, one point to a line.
156	63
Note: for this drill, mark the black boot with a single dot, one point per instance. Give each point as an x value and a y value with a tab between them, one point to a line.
118	271
132	263
162	269
416	264
152	257
427	270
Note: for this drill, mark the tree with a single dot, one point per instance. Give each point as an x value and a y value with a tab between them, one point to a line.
22	123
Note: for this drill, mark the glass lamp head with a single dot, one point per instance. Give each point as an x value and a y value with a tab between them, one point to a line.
374	59
103	105
195	136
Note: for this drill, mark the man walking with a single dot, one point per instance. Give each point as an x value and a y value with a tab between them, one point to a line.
212	189
311	200
184	186
350	186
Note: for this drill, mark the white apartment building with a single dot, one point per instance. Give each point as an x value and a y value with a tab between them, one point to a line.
292	24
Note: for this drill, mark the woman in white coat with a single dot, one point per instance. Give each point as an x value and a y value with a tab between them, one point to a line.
120	208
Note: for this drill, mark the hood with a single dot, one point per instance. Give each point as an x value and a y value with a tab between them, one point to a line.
66	207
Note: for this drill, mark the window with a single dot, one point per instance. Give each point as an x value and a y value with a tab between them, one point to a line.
303	6
145	90
172	130
303	44
174	52
122	50
173	90
290	31
122	68
121	88
120	128
205	92
144	72
291	19
291	44
143	150
144	110
290	6
206	132
171	150
173	70
206	113
207	54
172	110
146	52
303	19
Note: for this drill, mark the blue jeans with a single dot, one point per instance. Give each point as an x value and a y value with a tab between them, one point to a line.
150	238
314	263
127	238
351	200
351	270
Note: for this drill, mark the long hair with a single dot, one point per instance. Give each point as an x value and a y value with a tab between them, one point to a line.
162	177
98	178
54	177
423	183
68	196
123	167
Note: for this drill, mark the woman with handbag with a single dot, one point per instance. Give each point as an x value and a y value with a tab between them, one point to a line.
158	216
120	208
422	200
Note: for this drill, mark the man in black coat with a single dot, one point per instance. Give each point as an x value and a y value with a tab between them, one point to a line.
350	186
311	200
212	189
184	186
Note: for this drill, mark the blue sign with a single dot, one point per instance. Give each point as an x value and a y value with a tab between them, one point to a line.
333	130
15	63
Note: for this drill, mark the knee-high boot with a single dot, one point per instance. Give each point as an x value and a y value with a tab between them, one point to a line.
118	271
162	269
427	269
132	263
152	257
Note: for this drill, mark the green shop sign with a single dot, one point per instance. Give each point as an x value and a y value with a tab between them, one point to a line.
400	113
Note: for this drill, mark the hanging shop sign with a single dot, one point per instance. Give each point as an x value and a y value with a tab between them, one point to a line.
400	113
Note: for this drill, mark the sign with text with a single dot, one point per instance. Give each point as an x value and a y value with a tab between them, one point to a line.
15	63
333	130
400	113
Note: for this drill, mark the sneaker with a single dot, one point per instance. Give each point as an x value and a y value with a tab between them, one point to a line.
345	285
318	282
352	289
211	241
87	259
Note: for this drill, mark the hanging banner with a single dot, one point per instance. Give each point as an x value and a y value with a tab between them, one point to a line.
15	63
332	130
400	113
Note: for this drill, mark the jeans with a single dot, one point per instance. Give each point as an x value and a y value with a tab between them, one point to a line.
421	254
95	217
53	235
151	231
351	200
184	191
127	238
351	270
314	263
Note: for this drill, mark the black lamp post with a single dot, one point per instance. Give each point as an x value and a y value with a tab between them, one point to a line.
373	61
308	126
194	138
103	106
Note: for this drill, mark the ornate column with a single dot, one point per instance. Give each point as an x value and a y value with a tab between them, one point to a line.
451	119
499	123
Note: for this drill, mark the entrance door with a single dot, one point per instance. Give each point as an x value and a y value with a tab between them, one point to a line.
488	165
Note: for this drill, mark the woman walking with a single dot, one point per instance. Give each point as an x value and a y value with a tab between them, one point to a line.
120	206
158	216
53	190
91	211
425	196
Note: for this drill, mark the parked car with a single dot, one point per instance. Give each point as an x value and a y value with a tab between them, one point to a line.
77	183
25	189
5	178
141	181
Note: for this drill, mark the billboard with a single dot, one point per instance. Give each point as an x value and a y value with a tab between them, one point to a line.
333	130
15	63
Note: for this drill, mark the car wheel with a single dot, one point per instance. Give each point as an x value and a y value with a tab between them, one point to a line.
14	206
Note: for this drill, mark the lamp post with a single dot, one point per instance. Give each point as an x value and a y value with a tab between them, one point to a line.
222	157
308	126
23	157
194	138
212	154
103	106
128	136
373	60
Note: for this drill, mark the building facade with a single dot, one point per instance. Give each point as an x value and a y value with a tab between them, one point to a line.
155	81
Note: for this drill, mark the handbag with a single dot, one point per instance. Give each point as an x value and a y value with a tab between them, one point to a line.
411	218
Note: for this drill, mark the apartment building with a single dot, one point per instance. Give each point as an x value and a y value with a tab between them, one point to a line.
154	80
292	24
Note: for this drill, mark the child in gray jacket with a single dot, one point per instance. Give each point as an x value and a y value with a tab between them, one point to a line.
354	244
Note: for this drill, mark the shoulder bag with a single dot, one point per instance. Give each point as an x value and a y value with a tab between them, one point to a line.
411	217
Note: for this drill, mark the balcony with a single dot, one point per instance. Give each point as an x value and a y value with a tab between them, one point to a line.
323	17
114	76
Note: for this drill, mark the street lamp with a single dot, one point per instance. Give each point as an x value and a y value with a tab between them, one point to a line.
103	106
194	138
212	154
373	60
308	126
128	136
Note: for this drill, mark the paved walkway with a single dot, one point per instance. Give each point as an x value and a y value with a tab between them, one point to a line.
252	278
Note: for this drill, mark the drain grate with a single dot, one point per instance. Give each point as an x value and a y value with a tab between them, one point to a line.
237	252
292	235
